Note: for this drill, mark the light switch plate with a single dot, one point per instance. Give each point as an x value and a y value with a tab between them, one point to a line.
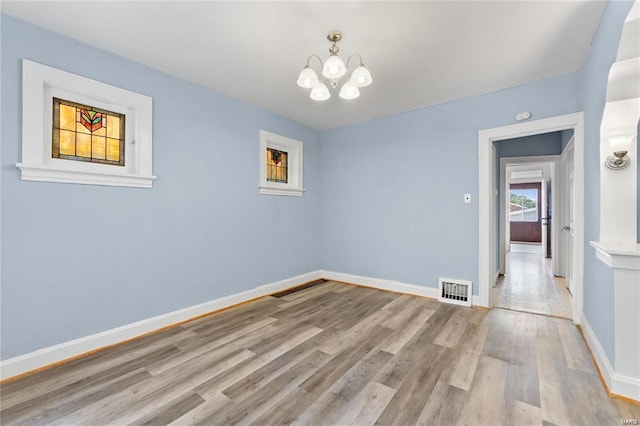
467	198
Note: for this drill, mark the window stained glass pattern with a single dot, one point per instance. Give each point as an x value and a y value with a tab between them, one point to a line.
277	164
86	133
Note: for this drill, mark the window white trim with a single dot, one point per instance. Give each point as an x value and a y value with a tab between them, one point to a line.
294	149
40	84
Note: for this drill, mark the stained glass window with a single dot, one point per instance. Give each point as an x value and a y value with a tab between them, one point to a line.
277	164
86	133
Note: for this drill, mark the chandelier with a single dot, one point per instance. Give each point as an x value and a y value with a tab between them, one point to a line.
333	69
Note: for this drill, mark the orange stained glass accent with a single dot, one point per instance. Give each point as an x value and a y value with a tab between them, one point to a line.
277	166
86	133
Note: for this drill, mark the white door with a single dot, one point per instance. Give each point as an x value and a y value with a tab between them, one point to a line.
570	231
543	216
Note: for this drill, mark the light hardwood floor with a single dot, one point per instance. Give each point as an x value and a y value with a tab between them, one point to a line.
529	284
331	354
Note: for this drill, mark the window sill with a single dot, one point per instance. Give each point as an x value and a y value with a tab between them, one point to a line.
49	174
271	190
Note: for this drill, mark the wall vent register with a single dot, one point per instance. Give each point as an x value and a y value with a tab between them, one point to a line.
457	292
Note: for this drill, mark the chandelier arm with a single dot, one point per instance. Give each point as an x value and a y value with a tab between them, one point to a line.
317	57
355	54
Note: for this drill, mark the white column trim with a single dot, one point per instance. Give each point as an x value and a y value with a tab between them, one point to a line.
617	384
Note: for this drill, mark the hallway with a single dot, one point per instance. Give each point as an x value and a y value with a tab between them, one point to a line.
530	286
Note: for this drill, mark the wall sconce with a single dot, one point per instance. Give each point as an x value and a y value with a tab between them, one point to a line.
620	146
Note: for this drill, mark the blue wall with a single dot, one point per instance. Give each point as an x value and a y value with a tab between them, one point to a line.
392	188
542	144
566	136
598	278
77	260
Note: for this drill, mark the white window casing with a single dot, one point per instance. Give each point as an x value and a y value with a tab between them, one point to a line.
293	187
40	84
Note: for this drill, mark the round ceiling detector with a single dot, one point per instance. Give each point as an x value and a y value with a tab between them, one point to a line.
523	115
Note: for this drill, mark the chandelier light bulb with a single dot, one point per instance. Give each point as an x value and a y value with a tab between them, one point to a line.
361	77
307	78
334	67
320	92
349	91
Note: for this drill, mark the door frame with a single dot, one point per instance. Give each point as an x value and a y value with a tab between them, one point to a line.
486	194
504	190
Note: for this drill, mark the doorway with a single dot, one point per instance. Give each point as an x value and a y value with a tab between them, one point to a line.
488	243
531	211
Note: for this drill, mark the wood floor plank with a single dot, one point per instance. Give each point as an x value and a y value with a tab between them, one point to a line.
463	367
575	354
171	411
521	413
222	345
551	374
140	400
201	414
334	402
265	374
399	339
88	382
367	406
454	328
229	377
413	393
66	402
444	405
487	399
104	362
319	382
330	354
269	395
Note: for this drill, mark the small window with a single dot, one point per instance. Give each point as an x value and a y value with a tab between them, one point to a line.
85	133
277	163
81	131
280	165
523	205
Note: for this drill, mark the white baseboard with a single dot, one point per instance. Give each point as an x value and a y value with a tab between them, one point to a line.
383	284
618	384
53	354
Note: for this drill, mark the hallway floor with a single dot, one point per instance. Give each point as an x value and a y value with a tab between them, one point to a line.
529	285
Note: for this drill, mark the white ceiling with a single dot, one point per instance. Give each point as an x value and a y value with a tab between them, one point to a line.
419	53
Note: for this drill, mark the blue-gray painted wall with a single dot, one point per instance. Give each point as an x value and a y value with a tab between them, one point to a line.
566	136
392	188
598	278
77	260
527	146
